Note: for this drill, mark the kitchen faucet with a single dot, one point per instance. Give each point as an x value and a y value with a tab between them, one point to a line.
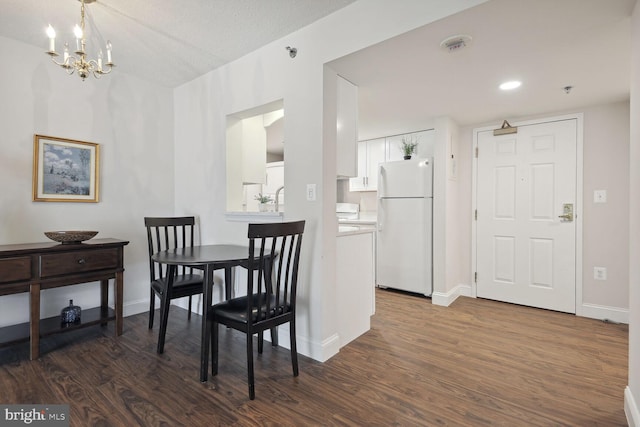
277	198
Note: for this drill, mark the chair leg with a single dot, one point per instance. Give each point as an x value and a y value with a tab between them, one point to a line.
152	308
294	349
189	314
260	342
252	391
214	347
165	301
274	336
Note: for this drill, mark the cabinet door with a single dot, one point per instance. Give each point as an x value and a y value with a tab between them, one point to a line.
375	156
274	181
254	151
346	128
426	140
275	178
394	148
359	183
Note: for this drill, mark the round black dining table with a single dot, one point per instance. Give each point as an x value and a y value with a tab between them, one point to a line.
207	258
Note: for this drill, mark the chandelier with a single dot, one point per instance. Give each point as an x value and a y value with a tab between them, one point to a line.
78	61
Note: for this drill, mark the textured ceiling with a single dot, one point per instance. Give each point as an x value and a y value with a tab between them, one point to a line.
166	41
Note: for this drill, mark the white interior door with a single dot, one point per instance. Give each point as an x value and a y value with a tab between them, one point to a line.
526	253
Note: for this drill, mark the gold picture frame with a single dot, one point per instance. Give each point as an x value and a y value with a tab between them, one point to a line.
65	170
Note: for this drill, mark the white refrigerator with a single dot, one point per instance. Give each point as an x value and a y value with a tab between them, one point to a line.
404	233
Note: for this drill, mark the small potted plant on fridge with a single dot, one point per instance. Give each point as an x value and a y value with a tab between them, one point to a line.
408	146
263	200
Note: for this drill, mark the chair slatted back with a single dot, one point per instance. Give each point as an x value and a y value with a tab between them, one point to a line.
165	233
273	276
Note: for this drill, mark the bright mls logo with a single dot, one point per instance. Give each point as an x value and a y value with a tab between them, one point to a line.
37	415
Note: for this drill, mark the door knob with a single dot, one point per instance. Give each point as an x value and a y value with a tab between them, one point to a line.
567	212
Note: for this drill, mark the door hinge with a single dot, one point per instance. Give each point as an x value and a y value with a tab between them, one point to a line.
476	215
476	152
475	277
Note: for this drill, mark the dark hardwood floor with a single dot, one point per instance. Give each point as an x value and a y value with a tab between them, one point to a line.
475	363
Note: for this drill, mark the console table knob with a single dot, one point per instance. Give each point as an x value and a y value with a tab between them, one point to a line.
81	261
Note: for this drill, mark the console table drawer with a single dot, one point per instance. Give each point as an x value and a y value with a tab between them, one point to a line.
78	262
15	269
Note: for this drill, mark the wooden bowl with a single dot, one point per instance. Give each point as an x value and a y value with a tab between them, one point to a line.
70	237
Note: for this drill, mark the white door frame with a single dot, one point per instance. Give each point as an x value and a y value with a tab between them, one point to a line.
579	117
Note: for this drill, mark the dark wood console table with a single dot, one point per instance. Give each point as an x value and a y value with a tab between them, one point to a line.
32	267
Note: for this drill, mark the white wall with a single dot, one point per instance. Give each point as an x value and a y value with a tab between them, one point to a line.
632	393
455	234
264	76
131	120
606	226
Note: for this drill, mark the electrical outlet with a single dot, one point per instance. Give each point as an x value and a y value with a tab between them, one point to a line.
600	273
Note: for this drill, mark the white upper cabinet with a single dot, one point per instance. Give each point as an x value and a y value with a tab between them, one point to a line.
247	149
426	142
346	128
254	150
370	154
274	182
394	147
359	182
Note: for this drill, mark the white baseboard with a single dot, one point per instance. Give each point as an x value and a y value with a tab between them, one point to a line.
141	306
631	409
320	353
447	298
135	307
305	347
602	312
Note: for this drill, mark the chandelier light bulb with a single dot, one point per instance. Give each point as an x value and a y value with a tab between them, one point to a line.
77	31
109	52
51	33
66	53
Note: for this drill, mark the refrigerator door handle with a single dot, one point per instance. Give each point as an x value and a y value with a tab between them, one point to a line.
380	215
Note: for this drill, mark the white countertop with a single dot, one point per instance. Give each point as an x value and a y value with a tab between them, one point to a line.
254	216
349	230
364	218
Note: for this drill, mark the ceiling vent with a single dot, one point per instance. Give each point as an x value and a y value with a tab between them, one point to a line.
455	43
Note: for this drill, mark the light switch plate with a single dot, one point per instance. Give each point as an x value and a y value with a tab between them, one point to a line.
600	196
311	192
600	273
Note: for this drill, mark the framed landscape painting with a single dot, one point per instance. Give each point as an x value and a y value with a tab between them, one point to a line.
65	170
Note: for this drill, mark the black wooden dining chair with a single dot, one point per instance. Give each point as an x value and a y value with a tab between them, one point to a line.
272	279
165	233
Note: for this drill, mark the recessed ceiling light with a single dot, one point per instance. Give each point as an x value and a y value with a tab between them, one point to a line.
510	85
